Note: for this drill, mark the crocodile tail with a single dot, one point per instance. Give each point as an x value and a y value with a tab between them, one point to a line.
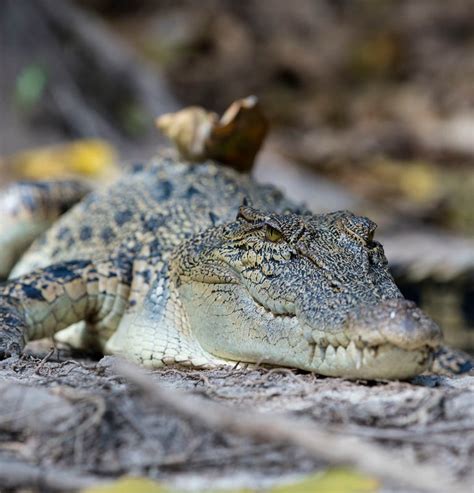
27	209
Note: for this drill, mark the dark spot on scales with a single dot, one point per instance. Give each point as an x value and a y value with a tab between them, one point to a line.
85	233
153	223
123	267
122	217
162	191
214	218
107	234
137	167
60	272
465	367
191	192
146	275
63	233
154	246
66	270
78	264
32	292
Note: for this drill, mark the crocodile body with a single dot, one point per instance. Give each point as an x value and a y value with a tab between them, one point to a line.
167	267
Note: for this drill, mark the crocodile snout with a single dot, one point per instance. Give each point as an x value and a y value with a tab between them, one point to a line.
397	321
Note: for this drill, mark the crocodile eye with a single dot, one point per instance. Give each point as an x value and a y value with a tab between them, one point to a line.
272	234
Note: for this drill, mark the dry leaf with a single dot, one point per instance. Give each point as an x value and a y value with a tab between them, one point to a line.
235	139
129	485
332	481
189	130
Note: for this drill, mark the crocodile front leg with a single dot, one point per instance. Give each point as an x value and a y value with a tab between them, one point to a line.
45	301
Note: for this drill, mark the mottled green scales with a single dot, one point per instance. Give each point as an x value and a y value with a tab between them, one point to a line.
166	266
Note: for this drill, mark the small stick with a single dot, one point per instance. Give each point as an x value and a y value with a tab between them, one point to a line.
44	360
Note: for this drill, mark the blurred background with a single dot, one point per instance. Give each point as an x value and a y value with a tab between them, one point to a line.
371	105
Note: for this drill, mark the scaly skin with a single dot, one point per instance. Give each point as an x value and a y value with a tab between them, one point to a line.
29	208
165	267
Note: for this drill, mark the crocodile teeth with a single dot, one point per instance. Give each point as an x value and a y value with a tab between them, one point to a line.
330	353
355	354
341	355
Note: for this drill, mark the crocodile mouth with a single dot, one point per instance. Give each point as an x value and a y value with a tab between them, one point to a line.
383	361
390	340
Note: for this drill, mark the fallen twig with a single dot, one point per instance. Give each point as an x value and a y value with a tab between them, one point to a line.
43	361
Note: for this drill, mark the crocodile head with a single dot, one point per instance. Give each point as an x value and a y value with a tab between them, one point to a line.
307	291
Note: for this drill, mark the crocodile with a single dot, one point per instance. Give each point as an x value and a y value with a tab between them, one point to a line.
196	264
187	261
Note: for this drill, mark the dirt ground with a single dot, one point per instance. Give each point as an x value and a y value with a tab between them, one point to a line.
67	422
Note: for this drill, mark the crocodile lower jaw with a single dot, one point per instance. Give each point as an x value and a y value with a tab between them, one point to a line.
255	333
353	360
384	361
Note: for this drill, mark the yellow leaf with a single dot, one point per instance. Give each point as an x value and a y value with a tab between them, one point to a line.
332	481
129	485
87	157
